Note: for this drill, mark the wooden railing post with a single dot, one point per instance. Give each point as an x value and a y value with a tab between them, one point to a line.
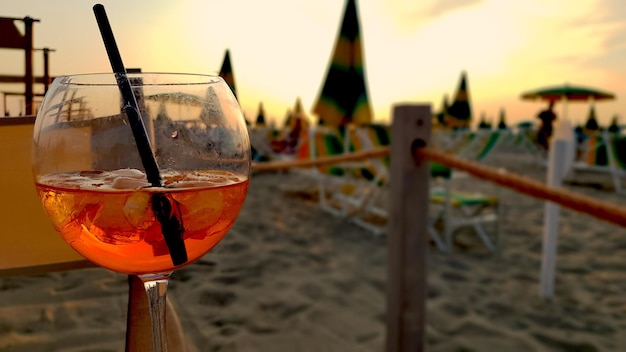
408	229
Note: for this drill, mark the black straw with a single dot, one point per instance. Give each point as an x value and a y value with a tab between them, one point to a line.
165	209
130	103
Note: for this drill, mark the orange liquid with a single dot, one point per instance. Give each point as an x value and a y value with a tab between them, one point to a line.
117	228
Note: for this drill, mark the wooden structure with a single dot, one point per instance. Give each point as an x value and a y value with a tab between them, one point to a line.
12	39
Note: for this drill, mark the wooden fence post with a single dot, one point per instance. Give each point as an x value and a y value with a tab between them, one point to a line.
408	229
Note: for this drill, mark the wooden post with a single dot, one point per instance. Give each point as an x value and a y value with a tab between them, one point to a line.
408	230
46	69
28	64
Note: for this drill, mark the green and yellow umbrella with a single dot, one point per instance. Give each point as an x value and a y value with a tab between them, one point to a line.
343	98
567	93
502	120
439	120
460	112
614	127
260	117
592	121
226	72
298	114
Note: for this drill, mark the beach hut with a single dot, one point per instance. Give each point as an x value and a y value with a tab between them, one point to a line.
343	98
460	112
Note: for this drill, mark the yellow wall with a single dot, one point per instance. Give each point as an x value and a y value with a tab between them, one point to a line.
27	237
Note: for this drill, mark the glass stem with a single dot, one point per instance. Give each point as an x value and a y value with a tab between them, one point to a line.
156	289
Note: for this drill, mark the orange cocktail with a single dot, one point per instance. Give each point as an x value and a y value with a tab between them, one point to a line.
108	218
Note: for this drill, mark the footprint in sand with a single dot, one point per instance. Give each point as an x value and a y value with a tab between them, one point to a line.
216	298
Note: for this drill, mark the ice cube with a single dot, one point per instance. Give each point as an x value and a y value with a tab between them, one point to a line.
200	210
138	210
124	182
59	207
132	173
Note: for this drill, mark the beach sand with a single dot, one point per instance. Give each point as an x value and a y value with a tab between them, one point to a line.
289	277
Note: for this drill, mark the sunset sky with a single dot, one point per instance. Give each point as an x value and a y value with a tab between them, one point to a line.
414	51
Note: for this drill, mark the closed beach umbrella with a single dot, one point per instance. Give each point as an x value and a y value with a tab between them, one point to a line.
288	119
460	112
260	117
502	122
592	121
343	98
614	126
298	114
483	124
441	115
226	72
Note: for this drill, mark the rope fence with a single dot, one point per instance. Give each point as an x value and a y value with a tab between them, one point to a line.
566	198
575	201
327	160
408	234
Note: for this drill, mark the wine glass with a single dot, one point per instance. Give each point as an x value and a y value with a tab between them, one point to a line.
146	199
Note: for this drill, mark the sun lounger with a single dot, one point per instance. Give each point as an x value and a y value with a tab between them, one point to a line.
601	161
453	209
456	209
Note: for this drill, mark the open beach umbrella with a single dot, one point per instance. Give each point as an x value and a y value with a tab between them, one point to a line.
460	112
343	98
567	93
226	72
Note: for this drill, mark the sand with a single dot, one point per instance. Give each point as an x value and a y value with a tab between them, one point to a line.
290	277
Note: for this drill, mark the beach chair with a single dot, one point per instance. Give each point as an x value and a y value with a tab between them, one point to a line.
30	246
342	188
366	210
602	156
481	145
455	209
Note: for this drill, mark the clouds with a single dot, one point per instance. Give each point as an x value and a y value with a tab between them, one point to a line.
437	8
414	50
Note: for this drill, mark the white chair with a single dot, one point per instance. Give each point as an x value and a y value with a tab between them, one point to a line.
455	209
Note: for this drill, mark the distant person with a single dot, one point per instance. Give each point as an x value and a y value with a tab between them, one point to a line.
547	118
